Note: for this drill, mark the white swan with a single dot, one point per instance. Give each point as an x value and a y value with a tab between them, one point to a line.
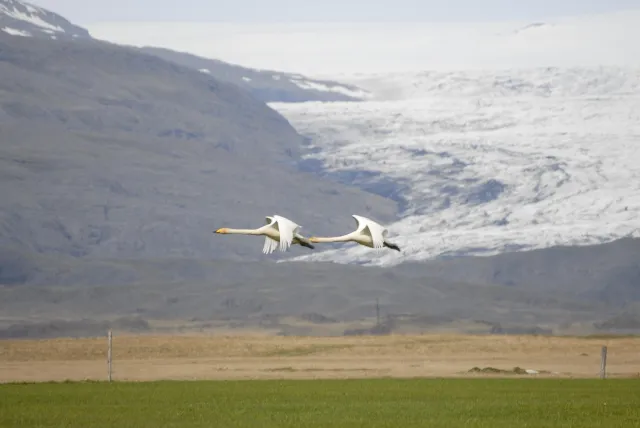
277	230
368	233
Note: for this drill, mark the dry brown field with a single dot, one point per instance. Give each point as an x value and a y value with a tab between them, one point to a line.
263	356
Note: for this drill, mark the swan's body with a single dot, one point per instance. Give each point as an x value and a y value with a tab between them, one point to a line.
278	232
368	233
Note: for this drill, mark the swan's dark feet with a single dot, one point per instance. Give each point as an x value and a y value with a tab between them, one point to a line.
392	246
306	244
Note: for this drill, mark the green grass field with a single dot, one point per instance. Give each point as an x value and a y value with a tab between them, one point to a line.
491	403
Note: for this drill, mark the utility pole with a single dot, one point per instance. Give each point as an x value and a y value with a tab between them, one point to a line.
109	355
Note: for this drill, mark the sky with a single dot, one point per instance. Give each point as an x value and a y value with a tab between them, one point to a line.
86	12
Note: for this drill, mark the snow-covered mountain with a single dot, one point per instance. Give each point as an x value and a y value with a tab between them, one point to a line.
20	18
77	109
486	162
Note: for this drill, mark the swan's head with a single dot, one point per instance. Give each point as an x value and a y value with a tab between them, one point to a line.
222	230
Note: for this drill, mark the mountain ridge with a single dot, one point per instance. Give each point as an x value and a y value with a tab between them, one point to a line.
266	85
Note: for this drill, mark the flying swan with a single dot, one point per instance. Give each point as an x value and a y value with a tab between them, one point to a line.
368	233
277	230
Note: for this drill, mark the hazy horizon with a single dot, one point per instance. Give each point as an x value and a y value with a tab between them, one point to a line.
287	11
340	49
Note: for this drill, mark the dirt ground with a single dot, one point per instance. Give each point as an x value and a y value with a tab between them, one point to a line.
154	357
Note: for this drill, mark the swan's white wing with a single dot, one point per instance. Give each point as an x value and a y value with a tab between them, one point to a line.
361	222
269	245
377	234
373	229
287	228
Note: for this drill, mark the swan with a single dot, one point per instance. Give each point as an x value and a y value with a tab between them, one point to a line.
277	230
368	233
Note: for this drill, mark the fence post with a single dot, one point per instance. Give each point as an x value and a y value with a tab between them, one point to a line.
109	354
603	363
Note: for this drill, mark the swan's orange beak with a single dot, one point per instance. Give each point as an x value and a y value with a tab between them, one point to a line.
222	230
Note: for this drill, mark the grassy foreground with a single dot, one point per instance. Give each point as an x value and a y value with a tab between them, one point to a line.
369	403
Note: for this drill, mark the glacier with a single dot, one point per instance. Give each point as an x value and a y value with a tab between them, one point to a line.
484	162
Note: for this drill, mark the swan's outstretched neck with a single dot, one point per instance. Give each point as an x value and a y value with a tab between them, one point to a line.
239	231
343	238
